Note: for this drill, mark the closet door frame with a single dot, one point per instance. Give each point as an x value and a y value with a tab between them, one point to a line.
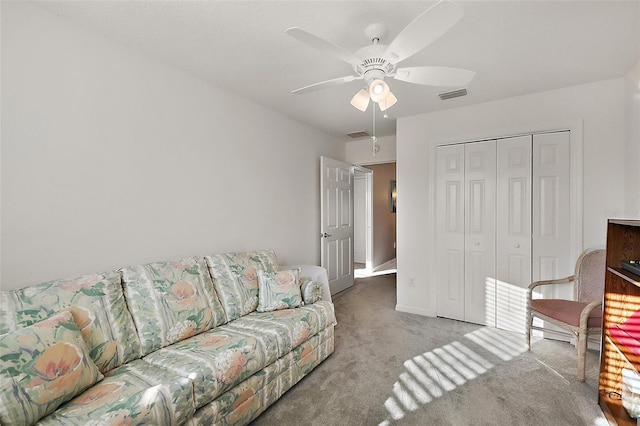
575	187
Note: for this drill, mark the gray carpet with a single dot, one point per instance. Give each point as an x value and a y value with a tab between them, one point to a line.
394	368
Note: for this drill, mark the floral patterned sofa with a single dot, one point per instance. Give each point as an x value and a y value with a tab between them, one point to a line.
202	340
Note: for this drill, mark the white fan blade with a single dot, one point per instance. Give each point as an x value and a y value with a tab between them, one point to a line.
423	30
323	45
325	84
435	76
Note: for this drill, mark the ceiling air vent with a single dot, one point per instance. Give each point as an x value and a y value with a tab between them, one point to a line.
358	134
453	94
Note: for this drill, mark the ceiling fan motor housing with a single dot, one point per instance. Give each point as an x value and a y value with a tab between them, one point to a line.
374	69
373	65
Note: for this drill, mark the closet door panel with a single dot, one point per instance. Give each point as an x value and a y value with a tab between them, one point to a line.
513	233
450	233
480	199
503	221
552	257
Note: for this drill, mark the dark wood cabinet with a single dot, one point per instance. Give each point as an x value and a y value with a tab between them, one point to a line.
621	300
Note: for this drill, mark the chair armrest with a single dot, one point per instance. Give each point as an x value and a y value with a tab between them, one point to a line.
548	282
584	315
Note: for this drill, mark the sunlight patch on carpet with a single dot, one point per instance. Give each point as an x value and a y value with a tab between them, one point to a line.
430	375
505	346
384	269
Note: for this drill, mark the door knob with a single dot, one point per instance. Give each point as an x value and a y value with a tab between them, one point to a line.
325	235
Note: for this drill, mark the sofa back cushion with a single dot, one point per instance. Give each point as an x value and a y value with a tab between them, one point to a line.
98	307
170	301
235	277
42	366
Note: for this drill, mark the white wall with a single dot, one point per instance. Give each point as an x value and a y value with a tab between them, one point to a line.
111	158
359	218
596	110
384	221
632	92
360	151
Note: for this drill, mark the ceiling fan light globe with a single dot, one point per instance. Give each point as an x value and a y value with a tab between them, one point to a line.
387	102
378	90
361	100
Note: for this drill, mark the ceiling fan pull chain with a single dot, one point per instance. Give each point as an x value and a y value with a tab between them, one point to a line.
374	139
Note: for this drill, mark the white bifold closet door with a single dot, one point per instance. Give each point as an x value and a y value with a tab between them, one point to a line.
514	243
466	232
480	232
450	233
552	257
503	221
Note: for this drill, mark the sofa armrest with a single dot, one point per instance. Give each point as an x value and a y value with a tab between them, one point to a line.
315	273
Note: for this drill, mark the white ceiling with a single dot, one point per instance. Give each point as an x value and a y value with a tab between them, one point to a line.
516	47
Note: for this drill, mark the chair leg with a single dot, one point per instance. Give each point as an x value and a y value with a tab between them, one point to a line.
528	333
582	354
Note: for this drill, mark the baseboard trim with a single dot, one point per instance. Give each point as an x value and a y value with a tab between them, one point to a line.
412	310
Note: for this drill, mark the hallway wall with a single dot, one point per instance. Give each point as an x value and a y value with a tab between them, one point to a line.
384	221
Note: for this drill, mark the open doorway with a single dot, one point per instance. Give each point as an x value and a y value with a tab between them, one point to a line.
374	220
362	219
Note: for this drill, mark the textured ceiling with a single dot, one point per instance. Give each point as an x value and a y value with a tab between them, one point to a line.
516	47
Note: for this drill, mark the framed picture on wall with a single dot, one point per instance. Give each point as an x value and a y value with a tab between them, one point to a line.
392	196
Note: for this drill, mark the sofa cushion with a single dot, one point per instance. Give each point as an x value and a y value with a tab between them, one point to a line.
170	301
235	278
278	290
309	354
246	400
136	393
289	327
99	309
42	366
251	397
216	360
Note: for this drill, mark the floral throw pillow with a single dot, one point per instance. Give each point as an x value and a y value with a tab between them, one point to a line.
98	307
311	291
41	367
278	290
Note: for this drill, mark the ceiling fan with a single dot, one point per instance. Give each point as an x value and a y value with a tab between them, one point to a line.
377	61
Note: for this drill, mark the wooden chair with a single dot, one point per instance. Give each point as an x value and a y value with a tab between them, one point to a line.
579	316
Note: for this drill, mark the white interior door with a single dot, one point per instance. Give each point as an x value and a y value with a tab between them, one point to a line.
450	231
513	232
336	222
480	232
360	219
552	257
